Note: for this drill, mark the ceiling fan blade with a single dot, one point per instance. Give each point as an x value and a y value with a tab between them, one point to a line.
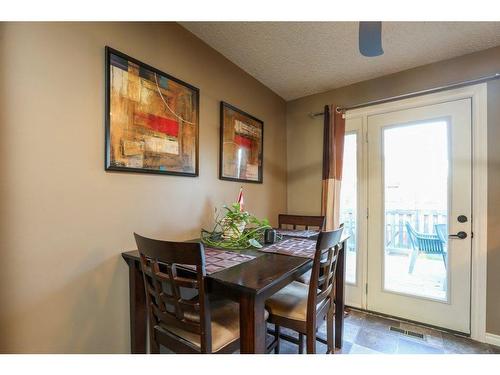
370	39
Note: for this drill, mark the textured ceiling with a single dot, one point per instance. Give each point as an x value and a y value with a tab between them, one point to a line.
296	59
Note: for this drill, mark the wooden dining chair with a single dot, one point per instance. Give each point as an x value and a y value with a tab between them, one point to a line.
181	315
302	307
307	222
306	277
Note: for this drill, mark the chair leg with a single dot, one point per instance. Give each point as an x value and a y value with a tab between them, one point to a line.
154	348
277	338
311	343
301	343
330	332
413	259
444	260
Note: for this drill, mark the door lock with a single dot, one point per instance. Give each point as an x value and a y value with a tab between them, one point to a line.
462	219
461	235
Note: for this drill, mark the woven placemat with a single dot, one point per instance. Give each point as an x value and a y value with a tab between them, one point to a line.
298	247
304	233
217	260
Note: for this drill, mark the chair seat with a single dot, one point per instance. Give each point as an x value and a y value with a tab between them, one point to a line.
225	325
290	302
305	278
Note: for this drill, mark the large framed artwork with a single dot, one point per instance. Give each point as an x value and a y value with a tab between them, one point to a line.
151	119
241	145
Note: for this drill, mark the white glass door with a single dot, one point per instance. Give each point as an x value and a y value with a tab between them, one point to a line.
352	210
419	214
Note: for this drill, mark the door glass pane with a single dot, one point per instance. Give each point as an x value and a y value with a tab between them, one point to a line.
348	203
416	209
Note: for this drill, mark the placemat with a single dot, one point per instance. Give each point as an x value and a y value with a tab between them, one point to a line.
307	233
297	247
216	260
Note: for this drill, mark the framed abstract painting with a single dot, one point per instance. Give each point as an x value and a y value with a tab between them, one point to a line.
151	119
241	145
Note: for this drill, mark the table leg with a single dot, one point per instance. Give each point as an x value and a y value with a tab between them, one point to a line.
339	297
138	317
252	324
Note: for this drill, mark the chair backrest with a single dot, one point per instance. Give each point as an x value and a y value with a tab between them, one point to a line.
164	297
412	235
427	243
442	232
321	285
301	220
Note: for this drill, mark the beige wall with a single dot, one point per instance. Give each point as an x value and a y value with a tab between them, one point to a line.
304	143
64	220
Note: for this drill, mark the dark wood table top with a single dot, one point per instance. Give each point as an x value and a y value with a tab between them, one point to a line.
256	275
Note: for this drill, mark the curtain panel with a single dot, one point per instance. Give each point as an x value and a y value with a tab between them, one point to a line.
333	154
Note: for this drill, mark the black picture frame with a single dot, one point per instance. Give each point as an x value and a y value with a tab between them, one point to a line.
260	180
107	146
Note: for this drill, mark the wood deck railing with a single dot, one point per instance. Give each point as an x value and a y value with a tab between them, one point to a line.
396	236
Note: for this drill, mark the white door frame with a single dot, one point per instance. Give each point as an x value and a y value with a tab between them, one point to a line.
478	95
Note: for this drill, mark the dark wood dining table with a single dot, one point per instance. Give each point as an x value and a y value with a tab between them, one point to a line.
250	284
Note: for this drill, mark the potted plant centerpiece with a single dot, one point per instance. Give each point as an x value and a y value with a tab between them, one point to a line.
234	223
237	229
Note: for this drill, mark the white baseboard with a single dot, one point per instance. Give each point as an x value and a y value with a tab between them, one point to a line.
353	304
492	339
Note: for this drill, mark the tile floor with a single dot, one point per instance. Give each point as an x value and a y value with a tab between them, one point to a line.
369	334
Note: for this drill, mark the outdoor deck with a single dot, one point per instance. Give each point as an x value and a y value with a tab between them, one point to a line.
428	278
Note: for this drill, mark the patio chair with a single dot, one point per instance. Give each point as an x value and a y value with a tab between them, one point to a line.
426	244
441	231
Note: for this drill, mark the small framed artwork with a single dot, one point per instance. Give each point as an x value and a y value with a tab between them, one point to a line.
151	119
241	145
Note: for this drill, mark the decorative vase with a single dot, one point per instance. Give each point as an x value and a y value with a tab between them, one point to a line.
229	232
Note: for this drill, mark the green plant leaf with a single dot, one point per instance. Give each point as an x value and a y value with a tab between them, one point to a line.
254	243
232	218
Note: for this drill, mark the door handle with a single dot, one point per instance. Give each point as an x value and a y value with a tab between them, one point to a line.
461	235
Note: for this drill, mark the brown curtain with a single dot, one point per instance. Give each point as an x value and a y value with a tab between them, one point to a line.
333	154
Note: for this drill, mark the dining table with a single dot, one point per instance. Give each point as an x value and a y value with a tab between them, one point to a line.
248	283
